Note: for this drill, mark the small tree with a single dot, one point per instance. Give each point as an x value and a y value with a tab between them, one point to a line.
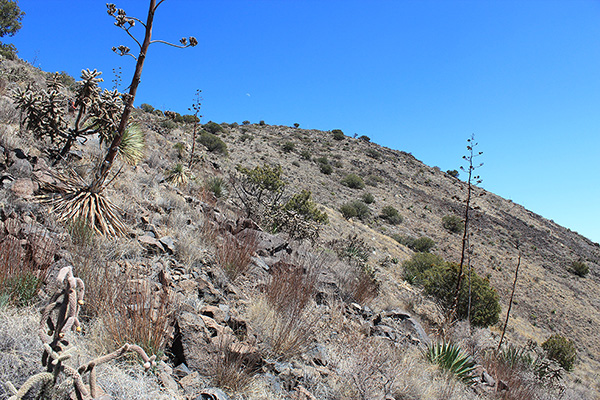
10	23
562	350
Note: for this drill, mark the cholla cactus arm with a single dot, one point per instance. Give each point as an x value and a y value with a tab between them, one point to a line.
91	366
44	377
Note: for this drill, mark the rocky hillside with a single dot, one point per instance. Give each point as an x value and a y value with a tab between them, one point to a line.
222	282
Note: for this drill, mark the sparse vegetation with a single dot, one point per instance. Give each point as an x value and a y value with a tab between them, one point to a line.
216	185
368	198
420	245
288	147
453	173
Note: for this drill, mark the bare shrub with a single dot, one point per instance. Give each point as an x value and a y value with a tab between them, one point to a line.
235	254
290	288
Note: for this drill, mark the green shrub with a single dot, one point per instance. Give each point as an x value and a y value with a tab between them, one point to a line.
440	282
303	204
418	264
245	137
145	107
213	143
364	138
261	123
420	245
338	134
296	125
579	268
438	278
391	215
355	209
213	127
562	350
453	173
8	51
368	198
246	122
453	359
453	223
353	181
327	169
288	147
168	124
306	155
216	185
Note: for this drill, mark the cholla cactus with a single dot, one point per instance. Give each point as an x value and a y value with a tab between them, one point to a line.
95	111
58	317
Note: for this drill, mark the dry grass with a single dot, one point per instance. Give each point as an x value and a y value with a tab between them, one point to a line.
234	255
231	369
141	314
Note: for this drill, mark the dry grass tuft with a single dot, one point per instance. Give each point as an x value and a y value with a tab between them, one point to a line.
231	370
234	255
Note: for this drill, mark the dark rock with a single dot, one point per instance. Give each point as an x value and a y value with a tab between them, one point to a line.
168	243
212	394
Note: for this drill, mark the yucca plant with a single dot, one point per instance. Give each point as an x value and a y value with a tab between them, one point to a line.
216	185
453	359
132	146
179	175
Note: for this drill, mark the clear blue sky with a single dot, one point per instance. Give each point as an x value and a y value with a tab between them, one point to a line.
418	76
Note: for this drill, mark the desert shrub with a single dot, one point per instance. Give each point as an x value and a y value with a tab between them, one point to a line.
579	268
213	127
364	138
415	267
190	119
368	198
178	175
391	215
230	367
261	122
216	185
288	147
420	245
159	113
145	107
326	169
374	180
353	181
561	350
246	122
306	155
296	125
450	357
355	209
303	204
338	134
453	173
452	223
213	143
439	280
373	154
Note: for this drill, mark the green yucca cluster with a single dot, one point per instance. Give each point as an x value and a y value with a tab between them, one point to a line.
453	359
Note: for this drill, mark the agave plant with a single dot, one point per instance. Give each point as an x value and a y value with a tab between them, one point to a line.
453	359
178	175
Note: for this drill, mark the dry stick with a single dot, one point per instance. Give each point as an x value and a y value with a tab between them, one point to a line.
510	303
